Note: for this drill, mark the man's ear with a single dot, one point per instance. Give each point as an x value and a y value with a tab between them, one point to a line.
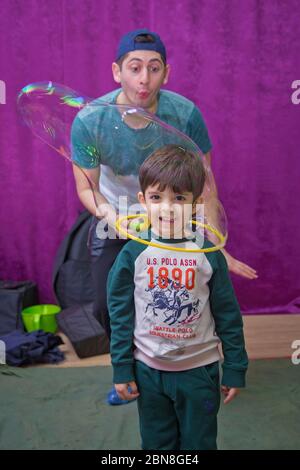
141	199
116	72
167	73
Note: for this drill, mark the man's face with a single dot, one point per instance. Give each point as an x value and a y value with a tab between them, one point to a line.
168	212
141	76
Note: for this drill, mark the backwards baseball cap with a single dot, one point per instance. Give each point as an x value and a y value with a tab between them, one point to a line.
130	43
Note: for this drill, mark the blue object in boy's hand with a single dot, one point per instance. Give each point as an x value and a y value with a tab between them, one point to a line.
113	398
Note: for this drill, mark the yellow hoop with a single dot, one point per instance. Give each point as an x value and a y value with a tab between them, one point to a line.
208	227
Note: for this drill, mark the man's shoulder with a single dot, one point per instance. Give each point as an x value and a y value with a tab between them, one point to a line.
94	106
109	97
177	110
175	99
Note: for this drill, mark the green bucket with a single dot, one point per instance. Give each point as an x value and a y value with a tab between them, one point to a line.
41	317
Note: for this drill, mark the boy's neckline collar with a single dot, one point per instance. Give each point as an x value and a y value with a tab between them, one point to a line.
171	240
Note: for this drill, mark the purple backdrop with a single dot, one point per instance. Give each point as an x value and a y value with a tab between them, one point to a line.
236	60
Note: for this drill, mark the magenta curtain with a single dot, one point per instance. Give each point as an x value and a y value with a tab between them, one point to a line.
235	59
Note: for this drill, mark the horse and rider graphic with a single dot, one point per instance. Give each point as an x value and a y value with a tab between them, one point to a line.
174	303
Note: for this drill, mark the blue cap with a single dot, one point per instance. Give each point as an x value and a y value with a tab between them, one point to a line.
128	44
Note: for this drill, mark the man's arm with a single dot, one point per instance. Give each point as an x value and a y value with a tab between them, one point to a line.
87	186
234	265
86	169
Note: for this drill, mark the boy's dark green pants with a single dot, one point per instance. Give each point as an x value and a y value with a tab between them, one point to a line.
178	410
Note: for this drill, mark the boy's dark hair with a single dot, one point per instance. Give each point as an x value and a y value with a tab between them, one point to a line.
145	38
173	167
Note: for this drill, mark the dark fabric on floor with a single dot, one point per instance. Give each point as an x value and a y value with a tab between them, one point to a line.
58	408
37	347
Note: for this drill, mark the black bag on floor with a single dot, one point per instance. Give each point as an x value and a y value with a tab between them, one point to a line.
14	297
83	330
72	279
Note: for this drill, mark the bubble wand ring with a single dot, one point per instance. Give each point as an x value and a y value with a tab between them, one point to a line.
208	227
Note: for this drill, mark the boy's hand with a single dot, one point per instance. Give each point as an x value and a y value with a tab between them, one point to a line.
127	394
229	392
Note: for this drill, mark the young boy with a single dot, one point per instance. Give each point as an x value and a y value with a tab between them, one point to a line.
169	310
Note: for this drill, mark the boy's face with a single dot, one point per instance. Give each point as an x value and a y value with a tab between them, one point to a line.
141	76
168	212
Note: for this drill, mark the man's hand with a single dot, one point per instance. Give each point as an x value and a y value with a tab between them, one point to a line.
127	394
229	392
212	207
239	268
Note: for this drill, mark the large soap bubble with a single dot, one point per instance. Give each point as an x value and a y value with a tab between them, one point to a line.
90	133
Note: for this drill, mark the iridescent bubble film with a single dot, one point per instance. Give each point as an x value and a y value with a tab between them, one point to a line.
91	132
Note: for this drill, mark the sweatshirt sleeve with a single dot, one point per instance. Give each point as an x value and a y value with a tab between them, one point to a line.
229	324
120	297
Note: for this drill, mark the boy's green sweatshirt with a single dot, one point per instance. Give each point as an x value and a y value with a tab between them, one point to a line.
171	309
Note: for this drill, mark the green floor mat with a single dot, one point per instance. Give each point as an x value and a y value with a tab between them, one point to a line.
55	408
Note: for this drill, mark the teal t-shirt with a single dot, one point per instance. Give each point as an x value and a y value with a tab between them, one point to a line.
102	135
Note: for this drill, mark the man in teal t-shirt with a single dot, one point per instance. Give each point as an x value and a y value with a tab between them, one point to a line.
141	69
120	149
